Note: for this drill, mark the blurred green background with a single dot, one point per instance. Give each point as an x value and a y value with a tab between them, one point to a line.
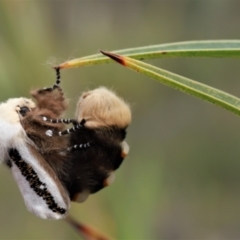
181	179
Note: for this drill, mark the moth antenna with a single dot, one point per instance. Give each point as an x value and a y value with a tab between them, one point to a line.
58	78
76	127
79	146
58	81
56	84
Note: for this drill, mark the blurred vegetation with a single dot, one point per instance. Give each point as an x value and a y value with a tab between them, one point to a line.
181	179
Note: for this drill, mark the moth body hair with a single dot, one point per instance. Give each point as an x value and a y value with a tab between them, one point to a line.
101	107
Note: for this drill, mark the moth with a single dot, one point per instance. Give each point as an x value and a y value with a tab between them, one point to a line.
53	165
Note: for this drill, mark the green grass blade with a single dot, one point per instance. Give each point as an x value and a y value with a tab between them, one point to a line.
183	84
214	48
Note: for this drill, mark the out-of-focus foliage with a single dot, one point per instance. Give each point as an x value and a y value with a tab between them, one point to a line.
181	179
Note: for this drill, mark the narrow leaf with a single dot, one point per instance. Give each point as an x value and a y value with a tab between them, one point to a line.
214	48
186	85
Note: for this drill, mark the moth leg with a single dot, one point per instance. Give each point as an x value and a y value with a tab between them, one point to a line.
79	146
56	84
60	120
76	127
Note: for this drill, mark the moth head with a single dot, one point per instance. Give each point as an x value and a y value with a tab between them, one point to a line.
101	107
24	105
12	108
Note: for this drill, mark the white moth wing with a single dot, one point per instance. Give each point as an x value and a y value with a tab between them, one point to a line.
33	202
44	196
